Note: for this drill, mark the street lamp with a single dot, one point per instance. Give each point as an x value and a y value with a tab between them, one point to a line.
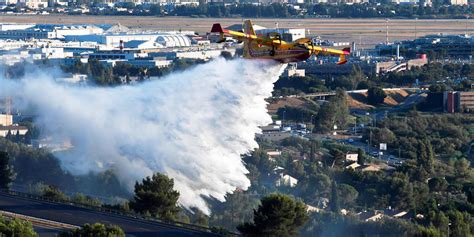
449	224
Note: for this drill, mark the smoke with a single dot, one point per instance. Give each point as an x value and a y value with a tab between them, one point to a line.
192	126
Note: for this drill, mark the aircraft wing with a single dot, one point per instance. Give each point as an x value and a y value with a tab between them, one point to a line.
240	36
341	53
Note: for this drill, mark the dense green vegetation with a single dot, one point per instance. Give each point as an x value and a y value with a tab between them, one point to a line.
322	176
96	230
449	136
366	10
16	227
38	166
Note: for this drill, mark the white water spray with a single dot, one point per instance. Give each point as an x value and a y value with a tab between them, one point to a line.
192	126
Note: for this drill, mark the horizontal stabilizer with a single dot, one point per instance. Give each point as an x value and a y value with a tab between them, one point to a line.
342	59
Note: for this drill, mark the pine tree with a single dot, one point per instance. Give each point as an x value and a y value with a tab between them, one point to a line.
6	173
277	216
334	204
156	196
360	157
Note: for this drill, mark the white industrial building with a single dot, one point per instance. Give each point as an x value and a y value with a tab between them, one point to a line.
25	32
14	26
114	40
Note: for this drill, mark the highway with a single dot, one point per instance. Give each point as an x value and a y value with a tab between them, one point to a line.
78	216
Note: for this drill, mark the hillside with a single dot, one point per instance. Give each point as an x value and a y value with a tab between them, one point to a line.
359	100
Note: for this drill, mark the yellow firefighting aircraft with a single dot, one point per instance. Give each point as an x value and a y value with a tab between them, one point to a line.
271	46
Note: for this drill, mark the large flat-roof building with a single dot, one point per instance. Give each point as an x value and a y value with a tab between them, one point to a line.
26	32
114	40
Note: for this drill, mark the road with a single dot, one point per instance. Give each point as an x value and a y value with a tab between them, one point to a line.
78	216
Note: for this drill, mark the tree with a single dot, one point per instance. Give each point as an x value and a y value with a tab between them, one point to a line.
278	215
335	112
380	135
425	158
462	168
237	208
314	187
347	194
261	160
16	227
437	184
86	200
460	223
441	221
334	204
360	157
54	193
157	197
6	173
376	95
96	230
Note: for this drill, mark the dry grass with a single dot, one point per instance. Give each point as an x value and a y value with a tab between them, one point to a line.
286	101
365	31
359	100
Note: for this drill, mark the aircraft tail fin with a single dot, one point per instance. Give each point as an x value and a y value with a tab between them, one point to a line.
248	27
217	28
